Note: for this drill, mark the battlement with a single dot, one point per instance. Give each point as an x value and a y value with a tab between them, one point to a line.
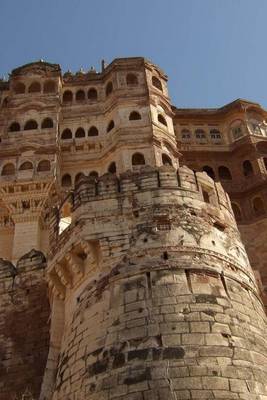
180	183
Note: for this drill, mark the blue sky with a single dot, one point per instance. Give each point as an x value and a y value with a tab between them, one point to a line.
213	51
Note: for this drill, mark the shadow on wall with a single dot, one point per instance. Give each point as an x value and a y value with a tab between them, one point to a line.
24	334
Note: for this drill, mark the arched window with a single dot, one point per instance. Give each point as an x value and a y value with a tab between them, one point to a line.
78	177
200	134
34	87
186	134
110	126
209	171
138	159
247	168
31	124
26	166
66	134
80	95
67	96
5	102
93	131
224	173
134	116
92	94
156	82
8	169
14	127
166	160
162	120
237	129
215	134
19	88
66	180
80	133
237	212
258	207
131	80
44	165
49	87
112	168
94	174
109	88
47	123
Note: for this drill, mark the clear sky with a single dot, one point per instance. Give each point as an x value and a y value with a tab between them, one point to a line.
213	51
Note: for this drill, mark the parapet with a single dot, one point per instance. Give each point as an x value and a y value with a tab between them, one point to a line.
149	178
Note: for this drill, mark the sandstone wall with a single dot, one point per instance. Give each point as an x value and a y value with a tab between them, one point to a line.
24	327
255	239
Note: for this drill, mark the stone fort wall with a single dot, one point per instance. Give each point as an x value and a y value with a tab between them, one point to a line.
158	297
24	327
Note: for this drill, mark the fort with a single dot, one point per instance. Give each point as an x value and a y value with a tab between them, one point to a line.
132	239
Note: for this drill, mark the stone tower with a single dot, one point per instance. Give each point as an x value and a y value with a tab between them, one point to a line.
155	293
151	293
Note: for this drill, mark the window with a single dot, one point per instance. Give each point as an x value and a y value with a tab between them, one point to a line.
215	134
186	134
94	174
8	169
156	82
265	162
49	87
162	120
26	166
47	123
209	171
93	131
110	126
78	177
14	127
66	180
237	129
66	134
109	89
200	134
67	96
80	133
80	95
92	94
134	116
224	173
247	168
206	196
258	207
19	88
166	160
138	159
31	124
131	80
34	87
112	168
5	102
44	165
237	212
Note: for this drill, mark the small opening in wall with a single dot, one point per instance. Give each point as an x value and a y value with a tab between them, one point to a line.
219	226
206	197
165	255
